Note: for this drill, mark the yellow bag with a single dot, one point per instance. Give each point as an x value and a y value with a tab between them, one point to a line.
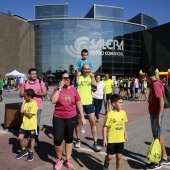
154	152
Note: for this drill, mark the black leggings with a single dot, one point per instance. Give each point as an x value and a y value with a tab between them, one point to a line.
63	129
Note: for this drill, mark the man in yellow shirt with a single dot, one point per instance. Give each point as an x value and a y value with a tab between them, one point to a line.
114	132
109	86
29	124
85	91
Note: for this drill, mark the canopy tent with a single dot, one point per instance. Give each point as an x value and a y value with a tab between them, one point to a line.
15	73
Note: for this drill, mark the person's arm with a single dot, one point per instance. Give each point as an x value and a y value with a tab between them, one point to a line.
104	131
22	106
43	92
29	115
93	81
55	95
161	106
80	108
125	134
21	93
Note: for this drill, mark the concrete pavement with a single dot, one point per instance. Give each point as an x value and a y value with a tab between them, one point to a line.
138	129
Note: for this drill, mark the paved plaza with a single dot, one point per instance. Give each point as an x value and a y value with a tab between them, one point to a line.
134	156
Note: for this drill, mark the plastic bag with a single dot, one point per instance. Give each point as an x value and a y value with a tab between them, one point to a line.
154	152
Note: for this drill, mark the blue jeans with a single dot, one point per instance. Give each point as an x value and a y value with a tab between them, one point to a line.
38	116
98	106
157	131
38	123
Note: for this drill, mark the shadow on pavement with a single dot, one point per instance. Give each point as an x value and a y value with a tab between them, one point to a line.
139	163
44	151
15	145
48	130
87	160
135	165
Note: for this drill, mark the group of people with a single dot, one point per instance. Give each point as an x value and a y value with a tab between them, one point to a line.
70	105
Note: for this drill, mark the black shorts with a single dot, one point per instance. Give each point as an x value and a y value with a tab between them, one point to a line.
31	133
113	148
1	92
108	96
136	90
88	109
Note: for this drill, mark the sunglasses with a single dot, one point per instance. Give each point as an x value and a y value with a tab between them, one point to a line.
66	78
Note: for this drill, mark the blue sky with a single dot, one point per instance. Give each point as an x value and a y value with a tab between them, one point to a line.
159	9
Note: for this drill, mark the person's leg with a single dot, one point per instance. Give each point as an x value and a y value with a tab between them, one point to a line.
2	97
109	105
30	156
96	106
92	122
32	142
118	161
157	133
109	101
105	104
58	130
78	126
68	135
38	125
108	158
100	104
21	141
24	150
110	150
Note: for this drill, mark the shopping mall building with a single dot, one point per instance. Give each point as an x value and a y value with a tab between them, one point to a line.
52	42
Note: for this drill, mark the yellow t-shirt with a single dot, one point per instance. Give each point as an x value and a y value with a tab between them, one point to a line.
115	122
108	85
30	123
85	90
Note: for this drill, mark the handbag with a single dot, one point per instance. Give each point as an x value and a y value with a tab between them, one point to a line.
154	152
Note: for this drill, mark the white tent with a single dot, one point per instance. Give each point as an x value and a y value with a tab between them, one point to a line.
15	73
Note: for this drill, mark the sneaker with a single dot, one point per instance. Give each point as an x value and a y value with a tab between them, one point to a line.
97	120
106	166
165	161
68	165
78	144
30	156
22	154
58	165
96	148
153	166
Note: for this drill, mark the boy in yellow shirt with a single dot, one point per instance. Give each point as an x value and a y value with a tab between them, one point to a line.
114	132
29	124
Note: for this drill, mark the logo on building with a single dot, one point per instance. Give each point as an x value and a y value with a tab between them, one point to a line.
95	47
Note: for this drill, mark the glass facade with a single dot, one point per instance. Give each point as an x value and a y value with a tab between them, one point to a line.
114	47
108	12
144	19
105	12
51	11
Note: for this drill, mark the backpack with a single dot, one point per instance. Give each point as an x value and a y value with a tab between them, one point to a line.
166	96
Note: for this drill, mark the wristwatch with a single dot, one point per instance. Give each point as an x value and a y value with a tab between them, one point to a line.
59	89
